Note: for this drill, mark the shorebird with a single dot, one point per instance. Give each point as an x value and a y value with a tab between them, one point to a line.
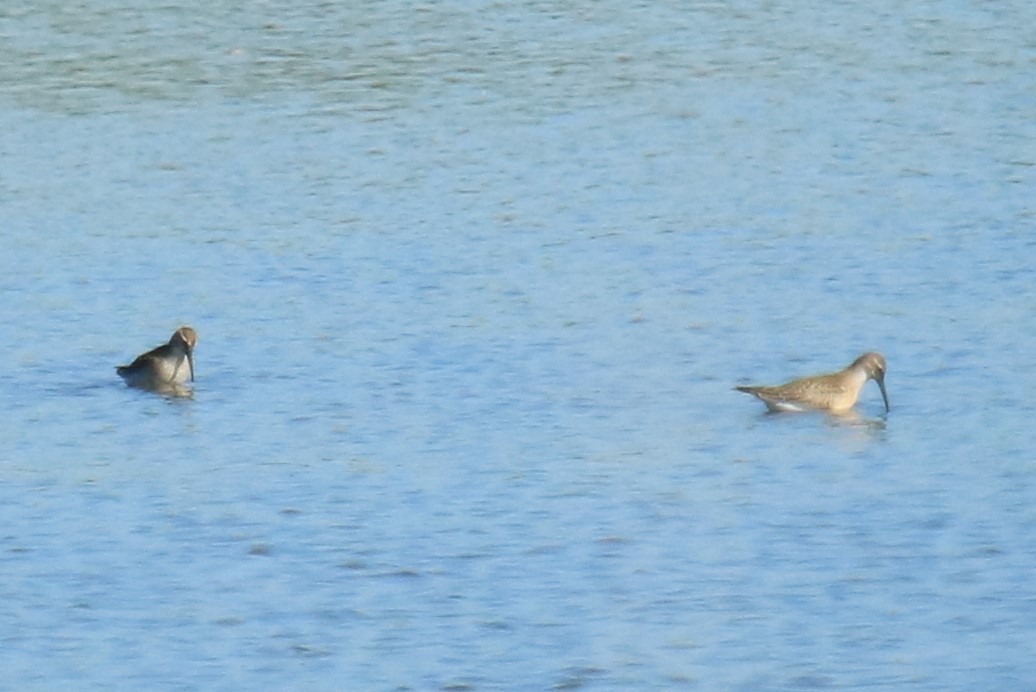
166	367
836	392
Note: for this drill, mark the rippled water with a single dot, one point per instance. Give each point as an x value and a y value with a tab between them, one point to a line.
473	282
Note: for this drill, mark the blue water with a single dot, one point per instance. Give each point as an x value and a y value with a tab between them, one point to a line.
473	283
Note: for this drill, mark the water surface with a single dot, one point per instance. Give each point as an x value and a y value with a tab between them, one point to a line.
473	283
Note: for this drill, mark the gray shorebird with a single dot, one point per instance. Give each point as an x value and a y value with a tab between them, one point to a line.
165	368
836	392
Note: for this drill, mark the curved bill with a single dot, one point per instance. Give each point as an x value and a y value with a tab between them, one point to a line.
190	364
881	385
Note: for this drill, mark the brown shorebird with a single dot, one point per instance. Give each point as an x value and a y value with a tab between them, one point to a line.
836	392
165	368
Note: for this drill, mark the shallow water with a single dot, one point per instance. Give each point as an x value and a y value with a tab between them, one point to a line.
473	284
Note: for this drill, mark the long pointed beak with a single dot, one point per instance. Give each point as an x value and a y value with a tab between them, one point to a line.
884	394
190	364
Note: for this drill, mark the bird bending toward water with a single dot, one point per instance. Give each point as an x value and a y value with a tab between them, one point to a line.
165	368
836	392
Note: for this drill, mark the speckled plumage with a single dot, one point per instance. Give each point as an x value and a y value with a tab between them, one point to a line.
836	392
